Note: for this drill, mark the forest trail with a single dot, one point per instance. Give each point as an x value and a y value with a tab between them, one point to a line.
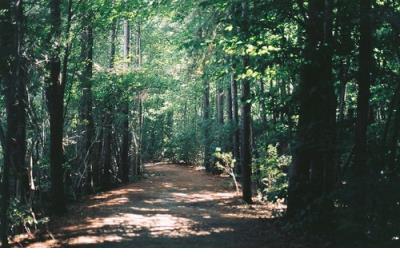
174	206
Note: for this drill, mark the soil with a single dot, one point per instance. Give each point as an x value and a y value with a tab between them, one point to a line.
173	206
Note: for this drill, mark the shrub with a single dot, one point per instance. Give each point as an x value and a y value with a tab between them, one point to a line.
273	178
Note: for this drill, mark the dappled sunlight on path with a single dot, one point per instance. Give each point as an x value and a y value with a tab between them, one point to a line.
174	206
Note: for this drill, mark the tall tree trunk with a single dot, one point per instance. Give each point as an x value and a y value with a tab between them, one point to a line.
313	168
235	118
125	163
246	158
363	109
55	104
6	51
139	161
108	119
262	104
393	144
14	80
21	168
206	123
220	102
229	113
342	92
106	149
86	84
139	45
140	136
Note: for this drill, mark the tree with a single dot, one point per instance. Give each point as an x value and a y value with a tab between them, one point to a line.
15	179
363	109
125	163
88	157
313	169
246	119
236	131
6	32
108	115
55	104
206	122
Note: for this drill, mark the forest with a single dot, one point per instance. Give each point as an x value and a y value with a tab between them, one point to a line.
200	123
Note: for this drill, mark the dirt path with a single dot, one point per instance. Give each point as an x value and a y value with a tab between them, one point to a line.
174	206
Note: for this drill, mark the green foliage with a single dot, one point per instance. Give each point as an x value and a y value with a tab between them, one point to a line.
273	178
184	146
224	162
188	44
22	217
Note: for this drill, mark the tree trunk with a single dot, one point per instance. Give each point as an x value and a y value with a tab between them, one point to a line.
363	109
342	92
229	113
6	51
55	104
125	163
140	136
106	149
206	123
86	84
21	169
246	158
393	144
139	45
139	161
262	104
235	118
313	168
108	119
220	101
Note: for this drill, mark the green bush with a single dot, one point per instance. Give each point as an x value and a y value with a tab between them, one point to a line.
225	163
22	218
273	179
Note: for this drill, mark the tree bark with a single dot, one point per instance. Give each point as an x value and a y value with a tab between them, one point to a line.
229	113
313	168
139	45
363	110
125	163
206	123
138	158
86	85
20	164
6	51
108	119
55	104
246	158
140	136
235	118
220	105
393	144
262	104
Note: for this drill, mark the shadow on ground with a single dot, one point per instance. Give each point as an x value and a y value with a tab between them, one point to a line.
175	207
